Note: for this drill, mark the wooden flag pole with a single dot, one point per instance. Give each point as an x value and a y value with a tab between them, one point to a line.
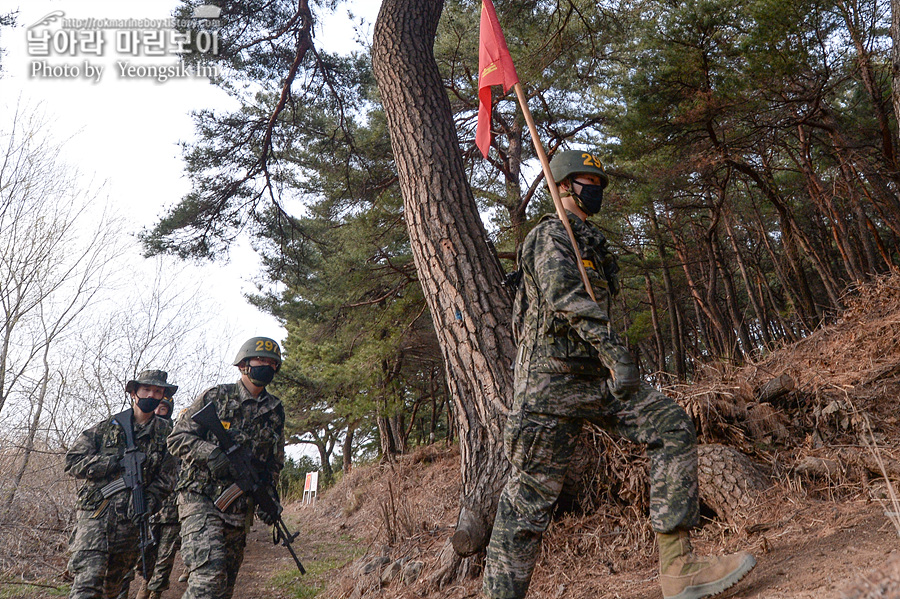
554	190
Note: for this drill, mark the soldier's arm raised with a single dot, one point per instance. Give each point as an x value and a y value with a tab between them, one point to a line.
186	442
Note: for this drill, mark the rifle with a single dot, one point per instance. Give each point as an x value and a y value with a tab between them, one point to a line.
133	462
248	480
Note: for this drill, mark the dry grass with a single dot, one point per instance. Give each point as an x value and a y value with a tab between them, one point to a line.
847	381
35	528
815	442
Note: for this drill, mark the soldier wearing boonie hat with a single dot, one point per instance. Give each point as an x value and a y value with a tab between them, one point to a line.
105	544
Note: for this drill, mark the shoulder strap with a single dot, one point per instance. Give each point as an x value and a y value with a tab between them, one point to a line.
125	419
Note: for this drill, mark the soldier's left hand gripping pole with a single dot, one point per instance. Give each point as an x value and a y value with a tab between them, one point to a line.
248	480
133	462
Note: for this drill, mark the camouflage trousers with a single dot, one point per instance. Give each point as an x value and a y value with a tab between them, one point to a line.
160	558
104	550
212	550
540	438
168	541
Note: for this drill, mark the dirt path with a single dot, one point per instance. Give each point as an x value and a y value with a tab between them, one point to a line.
805	549
262	561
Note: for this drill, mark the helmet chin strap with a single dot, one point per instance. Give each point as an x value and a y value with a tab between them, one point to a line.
570	192
580	204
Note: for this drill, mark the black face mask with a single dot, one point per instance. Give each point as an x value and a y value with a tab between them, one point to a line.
147	404
590	198
261	375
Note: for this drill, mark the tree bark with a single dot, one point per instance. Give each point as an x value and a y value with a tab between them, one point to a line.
387	440
460	274
775	388
348	449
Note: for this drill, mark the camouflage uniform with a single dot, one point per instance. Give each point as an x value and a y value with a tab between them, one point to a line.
167	530
104	545
161	558
212	541
565	353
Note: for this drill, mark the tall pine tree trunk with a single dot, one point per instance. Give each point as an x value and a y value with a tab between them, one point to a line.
460	274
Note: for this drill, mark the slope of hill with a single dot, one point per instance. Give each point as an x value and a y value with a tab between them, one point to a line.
824	520
825	445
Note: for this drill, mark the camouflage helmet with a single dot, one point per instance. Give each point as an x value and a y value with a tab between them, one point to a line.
258	347
574	162
157	378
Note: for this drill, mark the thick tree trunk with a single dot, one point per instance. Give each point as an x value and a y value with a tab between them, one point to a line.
460	274
386	440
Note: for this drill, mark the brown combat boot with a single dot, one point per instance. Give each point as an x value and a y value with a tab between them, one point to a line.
143	592
684	575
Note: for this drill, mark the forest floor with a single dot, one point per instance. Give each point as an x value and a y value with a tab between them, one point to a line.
824	522
805	548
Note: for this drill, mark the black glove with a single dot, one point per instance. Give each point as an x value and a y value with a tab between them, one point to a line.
219	464
625	378
266	517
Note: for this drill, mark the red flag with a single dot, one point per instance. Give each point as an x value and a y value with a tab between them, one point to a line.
495	67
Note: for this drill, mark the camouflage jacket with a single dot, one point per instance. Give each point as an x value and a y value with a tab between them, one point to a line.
255	423
557	326
95	458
